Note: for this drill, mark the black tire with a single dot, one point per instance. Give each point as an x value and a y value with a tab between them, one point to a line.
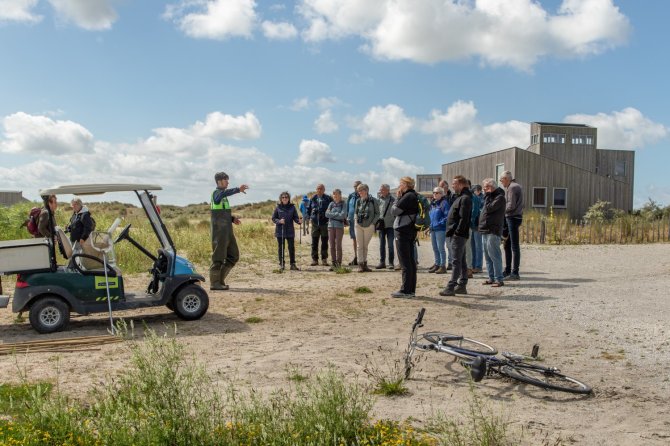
459	346
190	302
544	377
49	314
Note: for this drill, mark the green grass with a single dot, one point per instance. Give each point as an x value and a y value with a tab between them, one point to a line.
15	397
253	320
362	290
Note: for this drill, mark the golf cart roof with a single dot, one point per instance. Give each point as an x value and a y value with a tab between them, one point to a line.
91	189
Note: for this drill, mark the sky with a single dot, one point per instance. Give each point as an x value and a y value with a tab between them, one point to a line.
282	95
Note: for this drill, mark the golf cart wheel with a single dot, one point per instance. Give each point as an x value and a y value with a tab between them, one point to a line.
190	302
49	314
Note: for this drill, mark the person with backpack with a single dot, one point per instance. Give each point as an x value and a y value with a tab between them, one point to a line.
458	228
46	222
439	209
304	204
351	208
317	212
81	223
284	215
405	210
385	227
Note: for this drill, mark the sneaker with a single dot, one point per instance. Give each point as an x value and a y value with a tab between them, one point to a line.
402	295
294	267
447	292
441	270
460	289
391	266
513	277
381	265
314	263
488	282
498	284
476	270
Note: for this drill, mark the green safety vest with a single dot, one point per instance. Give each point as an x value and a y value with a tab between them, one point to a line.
218	207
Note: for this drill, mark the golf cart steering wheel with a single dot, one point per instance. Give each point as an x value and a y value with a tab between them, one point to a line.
123	235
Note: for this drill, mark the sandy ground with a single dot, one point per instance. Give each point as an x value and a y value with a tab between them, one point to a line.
600	313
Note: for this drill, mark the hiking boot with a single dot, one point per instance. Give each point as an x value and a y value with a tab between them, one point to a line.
324	262
441	270
381	265
314	263
294	267
460	289
513	277
497	284
433	268
354	262
470	275
365	267
476	270
218	287
447	292
360	268
449	267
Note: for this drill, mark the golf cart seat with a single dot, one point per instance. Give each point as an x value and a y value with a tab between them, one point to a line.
101	241
65	241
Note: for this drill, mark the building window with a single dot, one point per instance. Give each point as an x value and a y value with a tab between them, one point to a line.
500	168
428	184
535	139
553	138
560	197
620	169
582	139
539	197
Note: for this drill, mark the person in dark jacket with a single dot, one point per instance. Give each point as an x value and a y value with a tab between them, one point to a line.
317	214
225	252
491	222
284	215
305	216
81	224
458	228
405	210
46	222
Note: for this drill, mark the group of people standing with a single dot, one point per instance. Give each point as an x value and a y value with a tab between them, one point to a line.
466	228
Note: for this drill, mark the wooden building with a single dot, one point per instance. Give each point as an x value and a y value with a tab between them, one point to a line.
10	197
562	169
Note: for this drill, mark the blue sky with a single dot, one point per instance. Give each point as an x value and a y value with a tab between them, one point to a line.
282	95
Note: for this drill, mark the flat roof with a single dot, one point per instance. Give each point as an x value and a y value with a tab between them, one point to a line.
562	124
91	189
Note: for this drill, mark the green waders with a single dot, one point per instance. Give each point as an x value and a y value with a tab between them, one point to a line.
225	252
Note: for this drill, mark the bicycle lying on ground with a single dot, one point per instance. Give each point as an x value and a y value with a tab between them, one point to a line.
482	361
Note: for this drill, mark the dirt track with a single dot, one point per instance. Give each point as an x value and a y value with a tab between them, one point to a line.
599	312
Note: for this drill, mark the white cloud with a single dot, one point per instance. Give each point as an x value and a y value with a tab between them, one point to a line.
213	19
328	102
18	11
37	135
314	152
325	123
92	15
626	129
395	169
279	30
387	123
459	131
219	125
299	104
498	32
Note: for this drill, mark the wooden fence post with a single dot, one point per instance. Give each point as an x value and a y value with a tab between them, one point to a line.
543	231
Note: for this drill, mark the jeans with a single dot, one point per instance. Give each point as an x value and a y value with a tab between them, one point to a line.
512	248
437	238
493	257
477	250
459	274
386	237
405	237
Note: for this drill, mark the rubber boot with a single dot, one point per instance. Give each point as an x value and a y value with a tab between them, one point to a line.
215	280
225	270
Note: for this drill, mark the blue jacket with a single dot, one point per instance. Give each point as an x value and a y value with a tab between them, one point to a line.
317	209
439	209
304	204
290	215
351	206
477	203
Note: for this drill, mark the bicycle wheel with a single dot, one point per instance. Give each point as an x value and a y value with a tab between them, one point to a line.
459	346
544	377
